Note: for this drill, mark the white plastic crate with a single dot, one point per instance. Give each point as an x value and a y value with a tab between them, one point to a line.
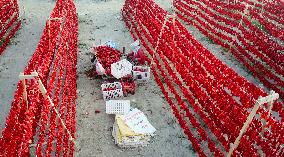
138	75
112	94
117	106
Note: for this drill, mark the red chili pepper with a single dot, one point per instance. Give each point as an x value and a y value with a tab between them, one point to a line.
107	56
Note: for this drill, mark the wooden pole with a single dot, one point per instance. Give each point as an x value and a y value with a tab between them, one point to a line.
270	106
262	100
235	38
174	27
244	128
45	95
49	35
160	35
25	94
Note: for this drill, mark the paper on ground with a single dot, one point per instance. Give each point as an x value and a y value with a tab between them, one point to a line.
138	122
124	129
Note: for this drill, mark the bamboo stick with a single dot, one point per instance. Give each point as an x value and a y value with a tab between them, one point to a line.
262	100
44	93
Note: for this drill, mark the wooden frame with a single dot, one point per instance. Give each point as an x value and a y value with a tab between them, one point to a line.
34	75
259	103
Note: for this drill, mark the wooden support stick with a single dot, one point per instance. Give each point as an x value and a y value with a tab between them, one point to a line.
174	36
55	18
262	100
160	35
244	128
22	76
45	95
270	106
25	94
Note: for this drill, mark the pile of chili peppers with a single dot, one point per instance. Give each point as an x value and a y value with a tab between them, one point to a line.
210	87
9	21
128	86
106	56
55	63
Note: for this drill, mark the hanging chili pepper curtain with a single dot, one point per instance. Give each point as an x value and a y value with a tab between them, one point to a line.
9	22
218	96
247	29
55	61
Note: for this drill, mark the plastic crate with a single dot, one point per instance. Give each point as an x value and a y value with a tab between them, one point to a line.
144	74
117	106
115	92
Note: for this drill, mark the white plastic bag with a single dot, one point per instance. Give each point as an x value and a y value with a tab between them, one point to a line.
135	46
111	44
100	69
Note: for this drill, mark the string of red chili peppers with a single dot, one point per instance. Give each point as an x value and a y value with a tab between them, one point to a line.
9	11
16	141
237	54
270	9
257	94
230	31
282	110
9	24
199	81
202	133
49	42
183	123
268	73
210	144
206	68
11	34
232	24
6	13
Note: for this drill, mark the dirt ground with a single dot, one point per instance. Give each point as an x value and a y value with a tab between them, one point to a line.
99	21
